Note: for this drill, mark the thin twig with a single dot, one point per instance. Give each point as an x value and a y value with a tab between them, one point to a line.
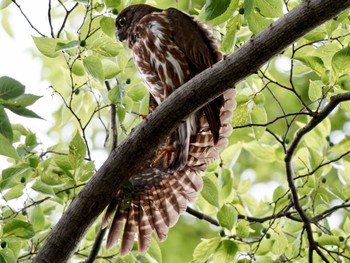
113	121
202	216
97	244
65	17
25	16
50	20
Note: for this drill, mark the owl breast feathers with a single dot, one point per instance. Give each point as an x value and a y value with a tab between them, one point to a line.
169	48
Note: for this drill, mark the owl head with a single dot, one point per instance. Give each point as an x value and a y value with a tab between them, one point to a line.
129	17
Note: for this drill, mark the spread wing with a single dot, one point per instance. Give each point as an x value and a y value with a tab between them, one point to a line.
200	48
154	199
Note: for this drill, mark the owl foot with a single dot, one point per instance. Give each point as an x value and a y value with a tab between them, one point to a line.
166	152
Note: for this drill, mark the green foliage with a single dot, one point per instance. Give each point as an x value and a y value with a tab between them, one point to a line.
215	8
88	69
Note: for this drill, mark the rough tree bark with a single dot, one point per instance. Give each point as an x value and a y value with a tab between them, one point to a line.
122	163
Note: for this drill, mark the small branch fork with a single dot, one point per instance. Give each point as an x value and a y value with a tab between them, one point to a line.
319	117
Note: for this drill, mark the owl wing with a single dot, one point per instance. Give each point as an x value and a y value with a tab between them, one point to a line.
154	199
197	43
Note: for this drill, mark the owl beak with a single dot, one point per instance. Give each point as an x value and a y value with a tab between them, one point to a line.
120	36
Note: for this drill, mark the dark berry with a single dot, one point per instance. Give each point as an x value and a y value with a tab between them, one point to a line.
222	233
83	43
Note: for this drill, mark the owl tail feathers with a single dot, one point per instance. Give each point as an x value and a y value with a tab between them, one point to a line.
154	207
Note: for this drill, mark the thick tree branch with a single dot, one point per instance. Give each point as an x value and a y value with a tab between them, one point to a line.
137	148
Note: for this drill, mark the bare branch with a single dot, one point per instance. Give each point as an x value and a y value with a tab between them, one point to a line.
50	20
202	216
25	16
334	101
68	12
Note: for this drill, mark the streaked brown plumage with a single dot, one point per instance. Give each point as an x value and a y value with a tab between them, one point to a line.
169	48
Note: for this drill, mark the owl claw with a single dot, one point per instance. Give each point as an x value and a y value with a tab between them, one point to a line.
167	152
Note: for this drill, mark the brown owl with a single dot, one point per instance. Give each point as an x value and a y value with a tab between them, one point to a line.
169	48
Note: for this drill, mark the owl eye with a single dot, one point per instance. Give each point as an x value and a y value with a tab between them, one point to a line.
121	21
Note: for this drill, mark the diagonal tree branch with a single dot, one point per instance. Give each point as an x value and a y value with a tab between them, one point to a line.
136	149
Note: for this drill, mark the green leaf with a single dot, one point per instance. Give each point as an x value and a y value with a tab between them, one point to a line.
255	19
77	151
22	111
7	149
230	37
225	252
7	256
281	243
230	154
18	228
346	226
261	151
226	15
31	139
344	82
270	8
106	47
278	193
5	3
121	112
258	116
10	88
154	251
226	183
317	34
314	63
340	61
87	170
110	69
116	94
14	192
78	68
210	191
94	67
240	115
112	3
62	162
328	240
61	46
242	229
25	100
137	93
107	26
47	46
5	125
204	249
37	218
315	89
42	188
227	216
214	8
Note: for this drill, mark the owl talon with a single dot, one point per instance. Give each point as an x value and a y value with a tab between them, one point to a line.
165	152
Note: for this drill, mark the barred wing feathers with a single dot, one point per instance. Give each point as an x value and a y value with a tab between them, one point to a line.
158	197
